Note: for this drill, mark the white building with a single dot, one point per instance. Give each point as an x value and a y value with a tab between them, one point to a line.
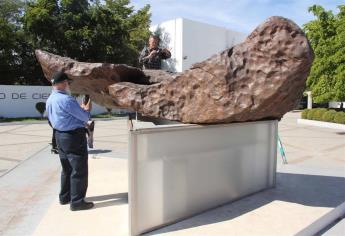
20	101
191	41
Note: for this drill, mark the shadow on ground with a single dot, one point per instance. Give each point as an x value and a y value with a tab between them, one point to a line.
309	190
109	200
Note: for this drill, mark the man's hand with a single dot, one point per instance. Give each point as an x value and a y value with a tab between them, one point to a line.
152	54
87	106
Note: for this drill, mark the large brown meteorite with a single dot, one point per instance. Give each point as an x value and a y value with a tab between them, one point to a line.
261	78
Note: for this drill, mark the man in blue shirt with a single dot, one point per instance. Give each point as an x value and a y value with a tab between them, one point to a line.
68	119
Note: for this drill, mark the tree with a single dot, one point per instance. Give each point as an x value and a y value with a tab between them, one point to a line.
41	108
327	37
103	31
91	31
17	59
339	55
9	37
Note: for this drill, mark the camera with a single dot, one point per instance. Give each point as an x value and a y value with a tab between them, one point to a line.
86	99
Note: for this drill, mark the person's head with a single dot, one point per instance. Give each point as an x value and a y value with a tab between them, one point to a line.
60	81
154	41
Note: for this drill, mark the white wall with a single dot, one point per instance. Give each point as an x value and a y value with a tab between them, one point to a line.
20	101
335	104
191	42
201	41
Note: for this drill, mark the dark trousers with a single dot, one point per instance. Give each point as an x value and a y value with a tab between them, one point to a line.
74	161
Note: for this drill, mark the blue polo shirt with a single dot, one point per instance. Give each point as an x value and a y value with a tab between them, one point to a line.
64	112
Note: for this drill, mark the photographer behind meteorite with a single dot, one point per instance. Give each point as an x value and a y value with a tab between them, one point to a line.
151	57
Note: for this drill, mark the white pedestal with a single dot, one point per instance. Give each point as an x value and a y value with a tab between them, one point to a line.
176	171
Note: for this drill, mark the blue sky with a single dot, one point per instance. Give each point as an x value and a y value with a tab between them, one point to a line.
239	15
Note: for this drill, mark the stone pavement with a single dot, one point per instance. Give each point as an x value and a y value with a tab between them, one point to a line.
29	185
20	142
311	185
312	150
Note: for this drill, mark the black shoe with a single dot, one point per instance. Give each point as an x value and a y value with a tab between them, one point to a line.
81	206
64	202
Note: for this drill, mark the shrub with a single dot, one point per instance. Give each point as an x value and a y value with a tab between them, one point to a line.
318	113
329	116
339	117
41	107
322	114
310	114
314	114
304	114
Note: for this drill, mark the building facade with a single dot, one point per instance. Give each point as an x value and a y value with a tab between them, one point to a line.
191	41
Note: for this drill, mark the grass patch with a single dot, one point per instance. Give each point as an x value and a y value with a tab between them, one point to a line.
22	119
107	115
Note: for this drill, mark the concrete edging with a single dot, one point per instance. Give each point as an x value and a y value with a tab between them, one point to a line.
323	221
321	124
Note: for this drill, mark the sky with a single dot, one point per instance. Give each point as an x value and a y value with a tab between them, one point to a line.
238	15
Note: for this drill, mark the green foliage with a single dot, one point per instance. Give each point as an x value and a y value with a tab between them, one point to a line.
304	114
310	114
318	113
313	114
21	119
323	114
339	117
329	116
327	37
109	31
41	107
10	38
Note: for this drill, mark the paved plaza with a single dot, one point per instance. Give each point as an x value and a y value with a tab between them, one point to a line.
311	185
